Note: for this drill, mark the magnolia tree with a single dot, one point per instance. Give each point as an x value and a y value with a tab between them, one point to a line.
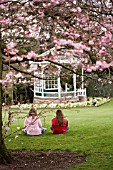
82	29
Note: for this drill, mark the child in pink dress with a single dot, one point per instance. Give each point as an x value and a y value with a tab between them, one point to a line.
32	123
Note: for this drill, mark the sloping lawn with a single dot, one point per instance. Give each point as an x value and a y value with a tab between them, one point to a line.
90	132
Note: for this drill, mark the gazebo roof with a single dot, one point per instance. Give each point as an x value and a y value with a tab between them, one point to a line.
60	58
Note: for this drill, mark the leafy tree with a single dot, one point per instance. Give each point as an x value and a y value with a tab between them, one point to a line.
79	28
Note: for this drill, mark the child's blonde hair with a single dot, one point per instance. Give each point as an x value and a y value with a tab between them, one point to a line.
32	112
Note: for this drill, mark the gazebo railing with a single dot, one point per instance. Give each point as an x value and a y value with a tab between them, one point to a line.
81	92
54	94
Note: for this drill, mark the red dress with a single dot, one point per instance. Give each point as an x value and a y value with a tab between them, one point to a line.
59	129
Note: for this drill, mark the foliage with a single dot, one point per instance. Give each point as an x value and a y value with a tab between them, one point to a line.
96	89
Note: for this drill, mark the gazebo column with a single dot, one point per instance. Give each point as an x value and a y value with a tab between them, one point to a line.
82	78
74	82
65	87
59	88
34	85
42	83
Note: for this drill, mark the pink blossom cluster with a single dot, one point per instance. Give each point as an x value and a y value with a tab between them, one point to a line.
100	65
106	38
63	24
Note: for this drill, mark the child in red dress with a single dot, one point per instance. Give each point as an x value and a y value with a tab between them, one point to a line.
59	123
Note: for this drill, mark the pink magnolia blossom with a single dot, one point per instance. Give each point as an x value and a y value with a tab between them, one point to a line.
20	18
111	63
37	0
45	5
7	128
65	22
10	45
78	51
102	65
66	33
13	119
83	20
19	58
33	67
4	21
13	58
99	79
24	81
103	51
9	75
18	75
4	82
91	42
105	65
41	13
79	10
110	82
93	68
107	38
23	65
88	28
98	63
86	48
76	35
27	32
2	6
29	70
31	55
88	69
13	51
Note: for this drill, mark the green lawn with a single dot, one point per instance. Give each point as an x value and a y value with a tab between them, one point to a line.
90	132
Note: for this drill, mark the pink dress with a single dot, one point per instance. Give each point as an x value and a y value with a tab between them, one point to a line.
33	126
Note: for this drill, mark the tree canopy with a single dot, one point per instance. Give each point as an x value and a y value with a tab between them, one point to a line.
82	29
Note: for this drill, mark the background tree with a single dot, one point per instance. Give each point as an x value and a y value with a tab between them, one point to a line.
82	29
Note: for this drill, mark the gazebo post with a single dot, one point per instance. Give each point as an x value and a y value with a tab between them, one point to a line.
65	87
59	87
42	83
74	82
82	78
34	86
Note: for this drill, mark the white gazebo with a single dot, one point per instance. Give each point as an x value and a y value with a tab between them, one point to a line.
49	86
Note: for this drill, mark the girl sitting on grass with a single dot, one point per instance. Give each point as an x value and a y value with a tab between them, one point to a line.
32	123
59	123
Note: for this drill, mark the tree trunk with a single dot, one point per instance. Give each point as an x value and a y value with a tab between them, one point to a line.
5	156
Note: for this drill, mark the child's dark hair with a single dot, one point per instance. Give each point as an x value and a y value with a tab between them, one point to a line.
59	118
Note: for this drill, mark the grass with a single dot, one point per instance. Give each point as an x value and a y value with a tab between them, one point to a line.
91	132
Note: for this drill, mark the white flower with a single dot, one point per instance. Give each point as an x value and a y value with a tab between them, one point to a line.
16	136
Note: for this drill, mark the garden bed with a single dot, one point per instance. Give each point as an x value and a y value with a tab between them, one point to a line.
97	101
44	160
